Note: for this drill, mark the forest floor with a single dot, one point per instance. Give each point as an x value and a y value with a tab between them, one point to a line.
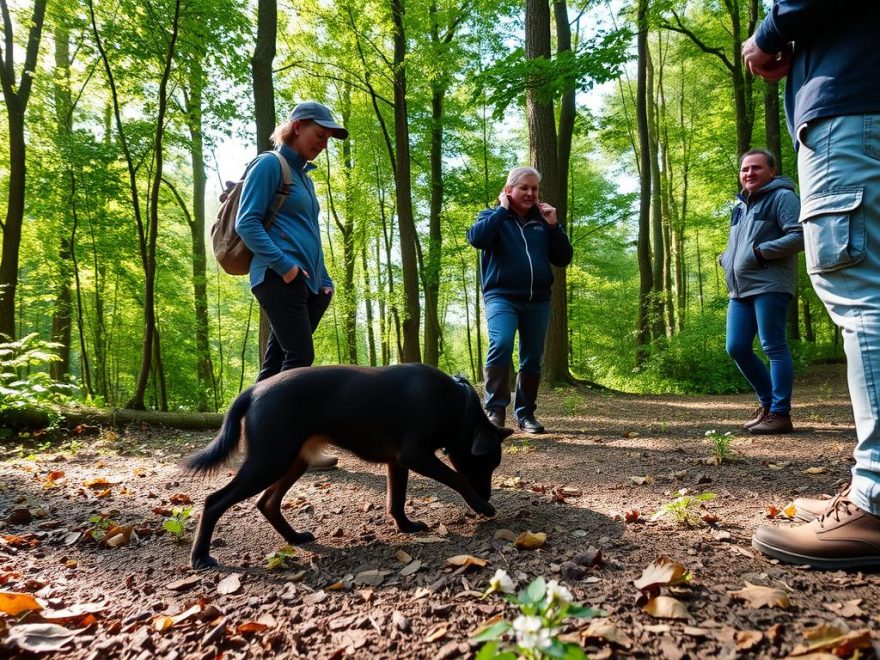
364	590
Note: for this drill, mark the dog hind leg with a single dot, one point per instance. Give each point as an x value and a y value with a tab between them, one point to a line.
398	476
269	503
253	477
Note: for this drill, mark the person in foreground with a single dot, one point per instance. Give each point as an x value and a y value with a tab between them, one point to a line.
760	264
519	239
287	272
833	111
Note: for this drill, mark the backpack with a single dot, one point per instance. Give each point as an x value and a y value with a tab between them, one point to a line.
230	251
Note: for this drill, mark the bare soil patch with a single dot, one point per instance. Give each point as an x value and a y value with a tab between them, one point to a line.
606	456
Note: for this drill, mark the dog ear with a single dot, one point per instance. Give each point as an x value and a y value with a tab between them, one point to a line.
485	441
504	432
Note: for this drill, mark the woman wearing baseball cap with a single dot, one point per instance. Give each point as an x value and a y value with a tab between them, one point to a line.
287	273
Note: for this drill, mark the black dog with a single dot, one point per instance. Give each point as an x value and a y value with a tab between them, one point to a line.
398	415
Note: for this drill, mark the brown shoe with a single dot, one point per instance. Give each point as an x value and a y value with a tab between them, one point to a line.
772	424
496	416
757	418
323	462
844	537
808	509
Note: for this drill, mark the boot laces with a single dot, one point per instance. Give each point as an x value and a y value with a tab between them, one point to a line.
839	505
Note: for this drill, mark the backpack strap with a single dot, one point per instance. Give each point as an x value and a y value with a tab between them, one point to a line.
283	190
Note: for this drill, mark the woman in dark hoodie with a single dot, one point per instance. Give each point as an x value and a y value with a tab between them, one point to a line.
520	239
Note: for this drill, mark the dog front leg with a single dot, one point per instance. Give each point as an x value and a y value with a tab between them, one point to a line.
269	504
398	476
429	465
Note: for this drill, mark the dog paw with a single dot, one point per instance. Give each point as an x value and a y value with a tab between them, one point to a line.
204	563
485	509
298	538
412	526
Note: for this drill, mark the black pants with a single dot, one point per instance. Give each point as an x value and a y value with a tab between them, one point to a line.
294	312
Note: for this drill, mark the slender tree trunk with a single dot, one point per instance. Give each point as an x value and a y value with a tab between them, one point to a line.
368	305
646	281
402	178
16	103
658	327
347	229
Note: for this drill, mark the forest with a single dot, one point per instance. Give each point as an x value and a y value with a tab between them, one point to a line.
124	119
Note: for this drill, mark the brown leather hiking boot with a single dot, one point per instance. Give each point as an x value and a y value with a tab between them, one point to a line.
810	508
772	424
757	418
843	537
496	416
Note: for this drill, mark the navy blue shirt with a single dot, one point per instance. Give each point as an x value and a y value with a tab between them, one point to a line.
835	68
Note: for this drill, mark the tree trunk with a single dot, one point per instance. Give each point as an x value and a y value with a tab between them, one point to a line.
403	180
16	103
771	122
544	155
347	229
368	305
646	282
658	327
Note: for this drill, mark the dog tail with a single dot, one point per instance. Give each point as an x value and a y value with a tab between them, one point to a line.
213	456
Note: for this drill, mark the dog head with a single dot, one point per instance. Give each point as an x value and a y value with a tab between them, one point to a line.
477	455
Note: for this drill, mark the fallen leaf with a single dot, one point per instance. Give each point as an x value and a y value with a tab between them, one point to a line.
75	612
13	603
442	531
371	578
466	561
180	498
847	610
772	511
606	630
428	539
505	535
641	481
437	632
163	623
118	535
251	627
530	540
411	568
815	470
662	572
666	607
789	510
746	640
632	516
24	541
100	483
229	585
40	637
403	557
757	597
184	583
839	642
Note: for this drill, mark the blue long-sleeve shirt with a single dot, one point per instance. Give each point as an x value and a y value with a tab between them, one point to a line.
516	257
294	239
836	59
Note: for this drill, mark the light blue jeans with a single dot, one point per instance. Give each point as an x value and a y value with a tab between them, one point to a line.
764	315
839	171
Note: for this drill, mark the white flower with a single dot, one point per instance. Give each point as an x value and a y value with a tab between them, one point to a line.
709	434
531	633
557	593
502	582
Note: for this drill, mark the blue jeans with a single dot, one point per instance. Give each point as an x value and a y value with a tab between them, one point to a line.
839	171
764	315
504	317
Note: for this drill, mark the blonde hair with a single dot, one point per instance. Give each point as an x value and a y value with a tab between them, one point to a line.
283	133
517	174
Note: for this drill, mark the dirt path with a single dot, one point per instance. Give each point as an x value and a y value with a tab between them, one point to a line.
345	594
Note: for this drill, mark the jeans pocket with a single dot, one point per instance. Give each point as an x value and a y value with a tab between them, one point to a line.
872	136
834	229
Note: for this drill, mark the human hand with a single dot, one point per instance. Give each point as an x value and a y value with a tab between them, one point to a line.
770	67
290	275
504	200
548	213
327	290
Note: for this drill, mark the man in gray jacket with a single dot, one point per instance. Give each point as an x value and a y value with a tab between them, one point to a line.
760	265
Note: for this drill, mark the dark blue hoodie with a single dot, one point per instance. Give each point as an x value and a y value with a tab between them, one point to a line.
836	61
516	258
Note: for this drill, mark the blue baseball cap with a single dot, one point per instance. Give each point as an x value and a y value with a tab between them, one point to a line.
319	114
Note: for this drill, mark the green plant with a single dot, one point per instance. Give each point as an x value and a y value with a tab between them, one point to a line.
101	523
175	524
721	450
281	558
682	508
518	446
534	634
23	388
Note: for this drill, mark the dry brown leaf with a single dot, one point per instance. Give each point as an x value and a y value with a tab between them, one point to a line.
411	568
75	612
606	630
848	609
250	627
666	607
662	572
465	561
39	637
815	470
403	557
118	535
757	597
746	640
641	481
99	483
229	585
436	633
371	578
837	641
14	603
180	498
632	516
772	511
530	540
163	623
